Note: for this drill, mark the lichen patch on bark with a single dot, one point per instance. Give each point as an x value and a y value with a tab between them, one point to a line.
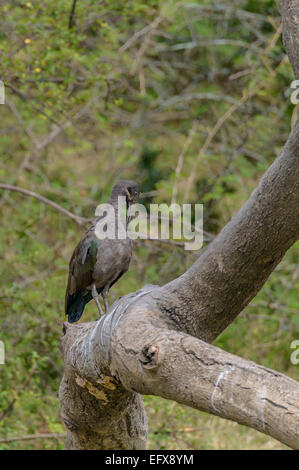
99	394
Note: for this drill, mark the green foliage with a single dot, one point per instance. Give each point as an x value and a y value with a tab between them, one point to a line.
81	113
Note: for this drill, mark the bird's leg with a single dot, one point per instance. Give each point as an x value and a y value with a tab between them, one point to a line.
95	296
104	295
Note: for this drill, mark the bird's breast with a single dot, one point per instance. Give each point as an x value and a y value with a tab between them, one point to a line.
113	258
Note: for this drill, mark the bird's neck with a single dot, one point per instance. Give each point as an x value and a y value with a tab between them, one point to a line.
120	206
113	200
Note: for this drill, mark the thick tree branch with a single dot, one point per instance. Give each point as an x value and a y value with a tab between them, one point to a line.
98	412
107	363
290	16
180	367
234	267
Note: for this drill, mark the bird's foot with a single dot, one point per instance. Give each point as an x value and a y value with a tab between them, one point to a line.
106	305
101	312
104	296
95	296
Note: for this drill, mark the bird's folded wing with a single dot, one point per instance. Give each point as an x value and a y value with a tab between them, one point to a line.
81	270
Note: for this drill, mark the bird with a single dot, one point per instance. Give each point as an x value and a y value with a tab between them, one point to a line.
98	263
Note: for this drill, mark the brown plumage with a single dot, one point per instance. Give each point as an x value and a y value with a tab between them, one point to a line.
97	264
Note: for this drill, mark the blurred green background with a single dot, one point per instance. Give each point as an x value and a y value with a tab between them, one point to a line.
190	99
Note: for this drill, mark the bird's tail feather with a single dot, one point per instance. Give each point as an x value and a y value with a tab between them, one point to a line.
76	305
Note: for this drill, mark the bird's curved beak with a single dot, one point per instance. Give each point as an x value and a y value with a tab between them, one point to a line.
129	197
132	198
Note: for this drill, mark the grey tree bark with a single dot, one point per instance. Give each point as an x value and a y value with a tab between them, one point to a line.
157	341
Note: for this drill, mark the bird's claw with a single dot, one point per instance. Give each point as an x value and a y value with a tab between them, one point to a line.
95	296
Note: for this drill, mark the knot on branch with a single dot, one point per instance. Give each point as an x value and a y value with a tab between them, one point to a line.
64	327
149	356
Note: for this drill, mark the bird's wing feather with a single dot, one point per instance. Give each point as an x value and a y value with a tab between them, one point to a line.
81	269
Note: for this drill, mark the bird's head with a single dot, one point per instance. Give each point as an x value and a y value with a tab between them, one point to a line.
126	188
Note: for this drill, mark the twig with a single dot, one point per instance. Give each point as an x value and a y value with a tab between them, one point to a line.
232	11
164	431
25	99
140	33
228	114
212	134
79	220
58	129
11	404
20	120
34	436
8	409
207	42
181	159
72	15
177	99
26	160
